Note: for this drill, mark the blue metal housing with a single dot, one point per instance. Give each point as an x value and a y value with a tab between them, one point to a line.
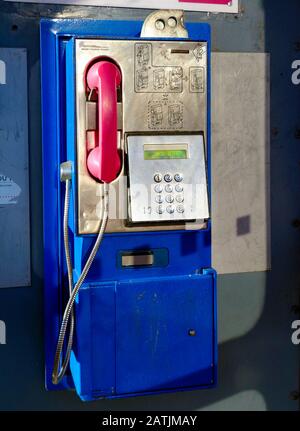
138	331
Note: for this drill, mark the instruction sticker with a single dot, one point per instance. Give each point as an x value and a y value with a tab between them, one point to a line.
9	191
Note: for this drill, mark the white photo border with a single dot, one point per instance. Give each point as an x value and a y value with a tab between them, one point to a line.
231	7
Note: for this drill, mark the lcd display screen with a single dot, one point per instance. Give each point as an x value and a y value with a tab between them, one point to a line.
164	152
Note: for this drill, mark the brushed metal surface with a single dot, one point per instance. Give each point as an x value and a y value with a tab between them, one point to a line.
138	260
165	23
163	91
149	205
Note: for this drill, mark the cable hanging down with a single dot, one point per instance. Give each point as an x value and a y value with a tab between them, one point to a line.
58	373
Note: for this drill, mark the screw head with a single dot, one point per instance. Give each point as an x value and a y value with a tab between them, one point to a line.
192	332
160	24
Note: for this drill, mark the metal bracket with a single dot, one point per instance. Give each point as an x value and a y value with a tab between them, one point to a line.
91	115
65	171
165	23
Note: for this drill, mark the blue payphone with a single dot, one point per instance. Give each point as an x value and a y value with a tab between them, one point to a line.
130	295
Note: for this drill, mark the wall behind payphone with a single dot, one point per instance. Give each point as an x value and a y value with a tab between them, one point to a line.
259	369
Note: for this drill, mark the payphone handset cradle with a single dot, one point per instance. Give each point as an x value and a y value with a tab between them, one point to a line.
103	161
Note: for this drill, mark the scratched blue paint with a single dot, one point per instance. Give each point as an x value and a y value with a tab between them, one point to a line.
108	309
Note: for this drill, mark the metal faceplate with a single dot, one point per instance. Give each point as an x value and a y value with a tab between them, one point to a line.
167	189
164	91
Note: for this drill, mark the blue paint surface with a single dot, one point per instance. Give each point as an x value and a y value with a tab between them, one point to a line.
153	320
133	336
106	310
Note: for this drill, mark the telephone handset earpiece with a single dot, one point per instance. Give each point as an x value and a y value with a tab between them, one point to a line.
103	162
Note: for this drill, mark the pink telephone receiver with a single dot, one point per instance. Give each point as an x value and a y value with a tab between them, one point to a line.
103	162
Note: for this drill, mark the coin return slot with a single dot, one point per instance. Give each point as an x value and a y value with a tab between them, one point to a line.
137	259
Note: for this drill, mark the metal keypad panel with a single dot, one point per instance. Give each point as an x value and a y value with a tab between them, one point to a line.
167	189
170	197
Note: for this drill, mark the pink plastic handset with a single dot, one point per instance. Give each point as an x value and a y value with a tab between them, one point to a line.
103	161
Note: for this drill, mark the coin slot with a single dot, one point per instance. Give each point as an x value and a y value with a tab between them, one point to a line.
180	51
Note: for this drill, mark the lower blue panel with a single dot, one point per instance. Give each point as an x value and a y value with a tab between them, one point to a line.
154	349
93	357
145	336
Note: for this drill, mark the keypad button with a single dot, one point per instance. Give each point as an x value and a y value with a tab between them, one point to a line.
179	199
180	209
170	209
159	199
169	199
168	188
168	178
158	188
178	188
160	209
178	178
157	178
